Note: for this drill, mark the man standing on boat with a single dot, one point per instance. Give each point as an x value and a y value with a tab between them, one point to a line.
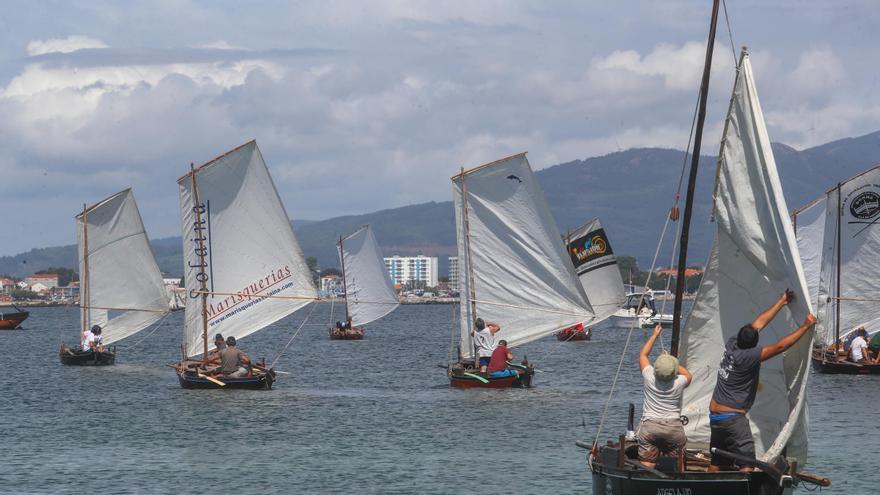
484	341
661	431
737	382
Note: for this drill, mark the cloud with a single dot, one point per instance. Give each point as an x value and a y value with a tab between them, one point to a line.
63	45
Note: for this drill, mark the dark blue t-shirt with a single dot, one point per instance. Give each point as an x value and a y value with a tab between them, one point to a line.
738	376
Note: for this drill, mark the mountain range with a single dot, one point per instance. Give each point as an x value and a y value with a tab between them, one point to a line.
630	191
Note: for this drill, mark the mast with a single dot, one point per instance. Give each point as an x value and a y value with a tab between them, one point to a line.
84	283
472	296
203	276
692	182
837	295
344	283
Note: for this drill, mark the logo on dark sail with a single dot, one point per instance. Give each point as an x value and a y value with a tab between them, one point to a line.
866	205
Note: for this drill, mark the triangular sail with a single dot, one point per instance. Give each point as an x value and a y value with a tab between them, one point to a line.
809	224
596	267
514	269
123	288
851	252
753	259
369	293
243	231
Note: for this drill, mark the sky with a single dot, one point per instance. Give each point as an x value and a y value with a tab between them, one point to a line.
364	105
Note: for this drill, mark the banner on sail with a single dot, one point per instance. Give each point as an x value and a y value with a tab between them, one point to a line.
591	251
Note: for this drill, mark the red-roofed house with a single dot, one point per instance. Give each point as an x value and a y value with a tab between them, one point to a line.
6	285
47	280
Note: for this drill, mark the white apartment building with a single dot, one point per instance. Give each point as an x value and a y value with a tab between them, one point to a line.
453	272
406	269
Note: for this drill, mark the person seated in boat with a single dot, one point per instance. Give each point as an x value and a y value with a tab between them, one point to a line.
347	325
498	362
219	344
660	431
97	343
87	337
874	347
858	349
232	361
484	340
737	382
338	325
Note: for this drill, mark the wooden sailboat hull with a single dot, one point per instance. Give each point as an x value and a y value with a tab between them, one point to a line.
463	375
610	479
353	333
75	356
11	321
259	381
822	364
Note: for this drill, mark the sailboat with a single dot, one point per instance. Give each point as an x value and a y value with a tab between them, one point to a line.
753	259
244	269
121	287
11	320
840	238
596	267
514	269
369	293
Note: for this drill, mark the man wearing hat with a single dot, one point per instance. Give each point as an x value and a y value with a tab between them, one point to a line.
484	341
661	431
737	382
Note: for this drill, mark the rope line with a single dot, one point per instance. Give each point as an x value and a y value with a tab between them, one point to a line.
729	32
155	327
293	336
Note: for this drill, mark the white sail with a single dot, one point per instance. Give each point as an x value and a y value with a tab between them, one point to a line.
853	224
809	223
248	246
753	260
509	245
123	287
596	267
369	293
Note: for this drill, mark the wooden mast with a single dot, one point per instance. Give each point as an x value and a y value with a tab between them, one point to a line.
200	238
837	295
692	182
344	284
472	296
84	283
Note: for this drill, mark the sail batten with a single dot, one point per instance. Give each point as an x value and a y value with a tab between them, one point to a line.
369	293
237	239
754	258
509	242
122	274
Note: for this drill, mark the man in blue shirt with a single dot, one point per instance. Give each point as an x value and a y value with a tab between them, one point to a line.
737	382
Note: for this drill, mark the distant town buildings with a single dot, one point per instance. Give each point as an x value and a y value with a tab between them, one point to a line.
412	270
453	273
44	280
332	285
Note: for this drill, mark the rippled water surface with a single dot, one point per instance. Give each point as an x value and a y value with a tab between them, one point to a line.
374	416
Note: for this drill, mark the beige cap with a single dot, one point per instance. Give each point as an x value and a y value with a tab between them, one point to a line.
666	367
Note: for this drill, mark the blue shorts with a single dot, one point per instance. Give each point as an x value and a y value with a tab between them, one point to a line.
484	360
502	373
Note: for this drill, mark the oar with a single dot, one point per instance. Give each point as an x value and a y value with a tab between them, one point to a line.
523	367
478	377
210	379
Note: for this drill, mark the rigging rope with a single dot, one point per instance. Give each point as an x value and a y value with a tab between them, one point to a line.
293	336
729	33
155	327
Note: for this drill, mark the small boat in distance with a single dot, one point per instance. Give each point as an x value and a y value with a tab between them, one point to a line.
575	333
243	267
121	287
642	305
11	320
514	269
369	293
839	241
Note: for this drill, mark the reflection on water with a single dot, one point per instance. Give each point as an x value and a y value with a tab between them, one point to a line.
374	416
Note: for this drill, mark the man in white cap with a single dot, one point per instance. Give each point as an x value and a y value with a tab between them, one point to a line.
661	432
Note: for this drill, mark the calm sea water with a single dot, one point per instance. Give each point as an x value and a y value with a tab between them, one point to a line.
375	416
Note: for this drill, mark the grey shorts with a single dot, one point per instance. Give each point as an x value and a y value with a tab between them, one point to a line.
660	437
733	435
